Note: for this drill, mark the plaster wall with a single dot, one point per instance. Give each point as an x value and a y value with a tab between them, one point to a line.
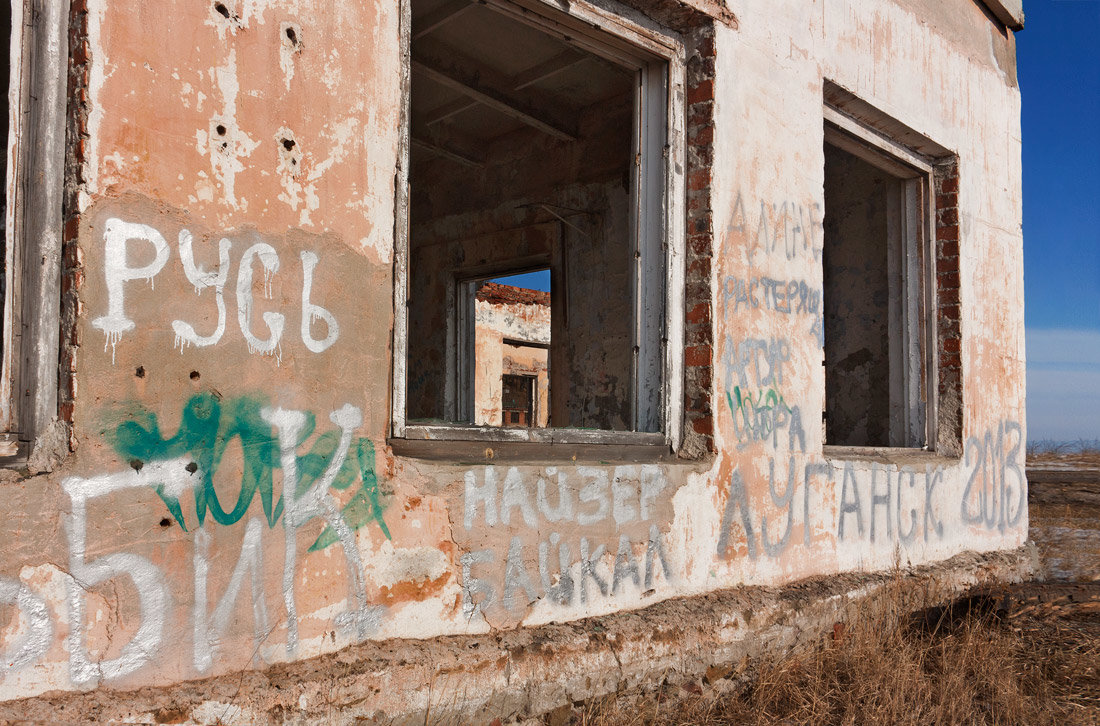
231	500
493	357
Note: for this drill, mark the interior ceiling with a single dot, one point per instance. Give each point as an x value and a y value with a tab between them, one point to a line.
479	75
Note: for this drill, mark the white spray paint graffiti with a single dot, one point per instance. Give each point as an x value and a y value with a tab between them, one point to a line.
185	333
152	591
269	260
311	311
116	234
625	495
208	634
36	641
117	237
318	502
173	478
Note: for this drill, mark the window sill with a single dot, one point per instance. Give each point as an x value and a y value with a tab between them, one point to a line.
484	443
893	455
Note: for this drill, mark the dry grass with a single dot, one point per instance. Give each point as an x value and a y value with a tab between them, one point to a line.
955	667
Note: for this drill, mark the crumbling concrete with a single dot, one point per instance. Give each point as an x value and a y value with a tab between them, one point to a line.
229	503
518	674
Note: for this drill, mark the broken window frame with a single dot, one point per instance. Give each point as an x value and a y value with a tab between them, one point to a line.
461	316
912	300
37	99
658	224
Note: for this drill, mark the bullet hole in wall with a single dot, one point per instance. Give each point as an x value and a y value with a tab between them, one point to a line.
191	467
165	522
195	375
222	10
290	154
220	130
291	37
140	372
136	464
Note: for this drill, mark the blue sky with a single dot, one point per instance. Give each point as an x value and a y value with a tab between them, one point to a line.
1058	54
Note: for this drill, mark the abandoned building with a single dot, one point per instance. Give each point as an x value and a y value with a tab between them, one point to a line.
280	438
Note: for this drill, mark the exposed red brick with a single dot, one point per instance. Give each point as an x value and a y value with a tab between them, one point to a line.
946	201
703	425
700	268
948	216
700	313
494	292
702	91
699	179
949	185
697	355
948	280
704	136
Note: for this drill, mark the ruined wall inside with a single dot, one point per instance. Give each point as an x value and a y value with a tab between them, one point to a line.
493	357
232	500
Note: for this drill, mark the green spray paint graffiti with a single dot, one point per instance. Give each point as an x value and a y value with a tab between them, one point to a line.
760	417
207	427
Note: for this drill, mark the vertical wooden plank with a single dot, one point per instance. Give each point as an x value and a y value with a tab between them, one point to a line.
14	217
674	215
401	234
38	239
896	309
914	314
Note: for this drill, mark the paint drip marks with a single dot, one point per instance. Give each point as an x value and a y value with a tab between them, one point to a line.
118	235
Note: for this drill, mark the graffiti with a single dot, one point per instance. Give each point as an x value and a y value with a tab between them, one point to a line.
900	502
895	506
757	362
185	463
737	502
36	641
624	497
206	429
117	237
789	297
792	229
762	417
1001	499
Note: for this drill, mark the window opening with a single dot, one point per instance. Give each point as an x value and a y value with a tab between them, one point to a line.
509	345
876	328
535	144
517	400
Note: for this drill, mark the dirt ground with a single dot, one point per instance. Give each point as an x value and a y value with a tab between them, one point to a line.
1027	654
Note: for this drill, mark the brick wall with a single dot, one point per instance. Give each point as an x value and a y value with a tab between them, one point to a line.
72	271
699	302
948	335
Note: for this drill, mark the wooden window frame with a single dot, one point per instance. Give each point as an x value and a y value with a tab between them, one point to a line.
38	95
658	225
912	304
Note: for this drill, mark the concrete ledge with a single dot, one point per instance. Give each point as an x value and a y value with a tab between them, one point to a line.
522	673
1009	12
